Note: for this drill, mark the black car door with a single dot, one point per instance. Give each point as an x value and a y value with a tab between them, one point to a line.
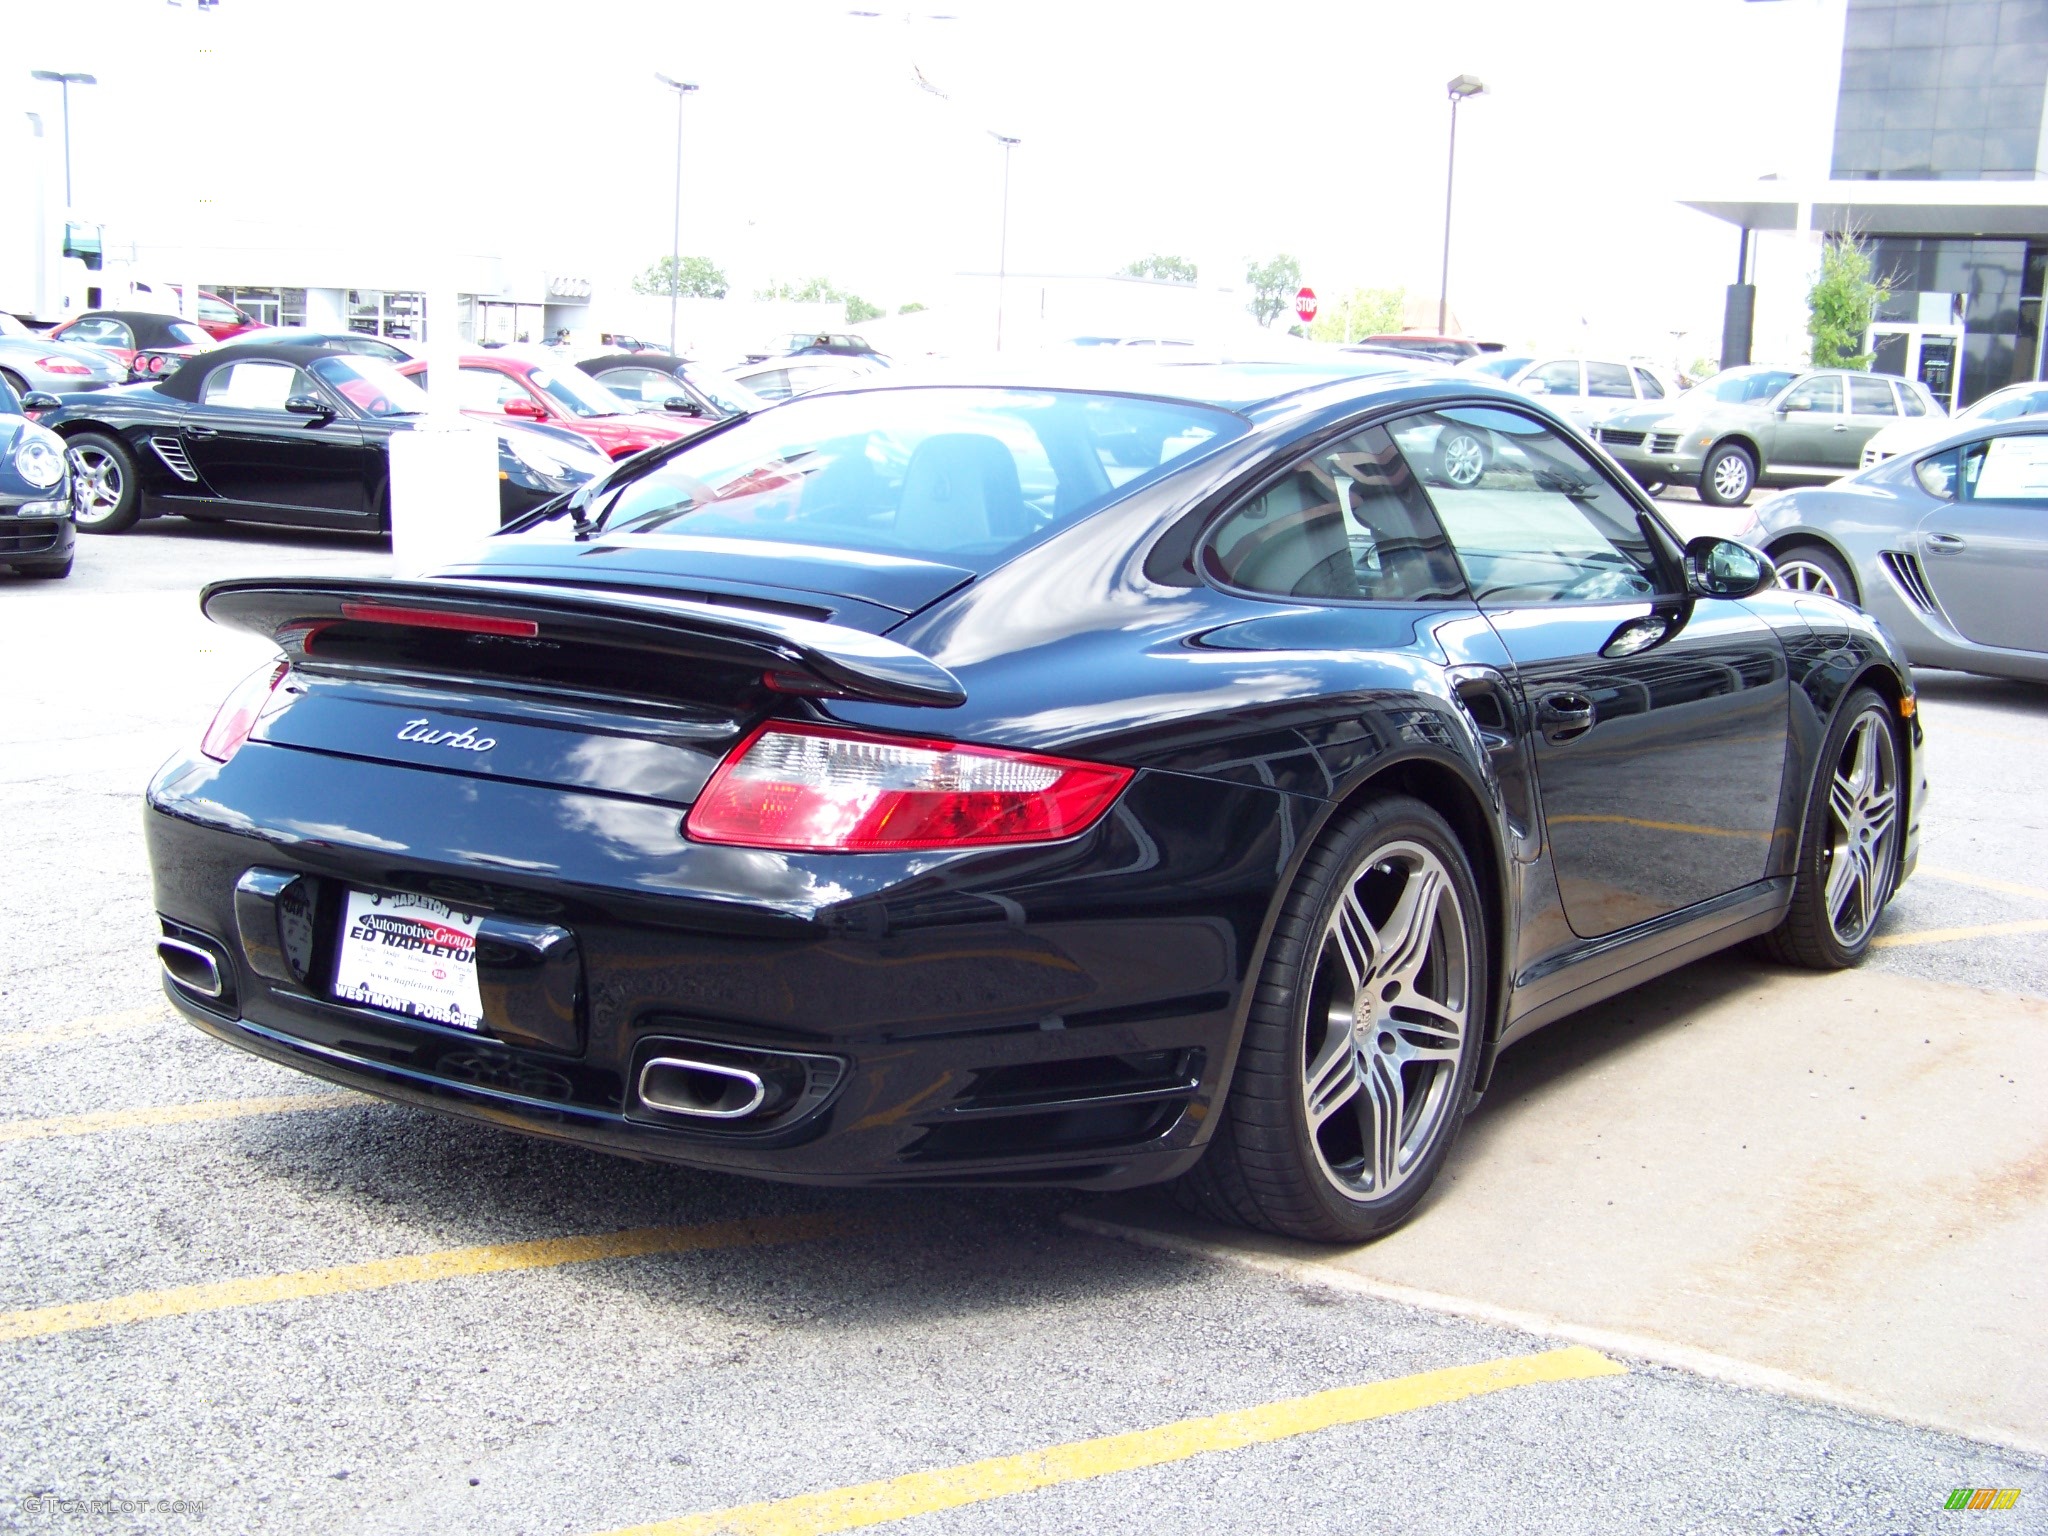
1660	721
266	460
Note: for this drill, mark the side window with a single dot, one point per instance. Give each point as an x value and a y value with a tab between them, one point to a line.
1937	475
1560	378
214	312
643	386
103	333
1816	397
1347	522
2011	468
486	389
1871	397
255	386
1909	397
772	385
1608	381
1537	523
1647	385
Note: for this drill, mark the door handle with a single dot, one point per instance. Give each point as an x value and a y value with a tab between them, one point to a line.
1945	543
203	431
1841	426
1563	716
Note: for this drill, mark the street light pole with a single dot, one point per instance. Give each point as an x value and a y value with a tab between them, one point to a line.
1460	88
64	82
1003	250
675	242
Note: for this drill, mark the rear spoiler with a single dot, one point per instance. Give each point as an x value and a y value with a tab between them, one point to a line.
797	655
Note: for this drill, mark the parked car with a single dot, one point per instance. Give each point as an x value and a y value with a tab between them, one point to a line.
784	377
121	333
502	386
1946	544
656	381
36	532
819	344
257	432
30	362
1587	390
1450	349
1756	426
340	341
1014	781
2007	404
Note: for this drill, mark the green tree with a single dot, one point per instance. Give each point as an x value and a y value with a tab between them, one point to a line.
693	277
909	309
1841	302
1272	284
1166	269
821	290
859	309
1361	312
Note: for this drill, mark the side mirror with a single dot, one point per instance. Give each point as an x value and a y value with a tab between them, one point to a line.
1726	568
682	405
41	400
530	409
308	405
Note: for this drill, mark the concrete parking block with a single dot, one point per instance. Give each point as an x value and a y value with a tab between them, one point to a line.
1832	1184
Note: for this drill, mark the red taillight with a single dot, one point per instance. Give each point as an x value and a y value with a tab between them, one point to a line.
236	717
62	365
828	790
438	618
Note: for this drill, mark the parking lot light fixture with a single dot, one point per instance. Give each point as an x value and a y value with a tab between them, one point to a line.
1460	87
64	81
1003	248
682	88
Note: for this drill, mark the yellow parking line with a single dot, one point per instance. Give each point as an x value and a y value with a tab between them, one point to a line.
1957	935
171	1114
415	1268
1982	882
921	1493
1663	826
78	1029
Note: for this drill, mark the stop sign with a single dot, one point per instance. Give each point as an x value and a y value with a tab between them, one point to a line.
1305	305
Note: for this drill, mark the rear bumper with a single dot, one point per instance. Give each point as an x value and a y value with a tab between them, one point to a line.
1064	1014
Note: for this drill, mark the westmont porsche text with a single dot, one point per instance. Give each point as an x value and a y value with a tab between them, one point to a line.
1097	780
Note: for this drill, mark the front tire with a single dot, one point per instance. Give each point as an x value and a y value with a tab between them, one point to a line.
110	491
1363	1038
1728	476
1849	852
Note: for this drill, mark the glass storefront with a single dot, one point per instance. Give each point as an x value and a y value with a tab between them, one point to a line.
1987	290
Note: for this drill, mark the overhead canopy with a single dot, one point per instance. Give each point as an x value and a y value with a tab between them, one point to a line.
1996	209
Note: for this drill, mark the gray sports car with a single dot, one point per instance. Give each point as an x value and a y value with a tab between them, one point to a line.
1946	545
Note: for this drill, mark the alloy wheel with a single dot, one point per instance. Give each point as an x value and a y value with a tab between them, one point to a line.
1388	1021
1863	811
1731	477
100	483
1804	576
1463	460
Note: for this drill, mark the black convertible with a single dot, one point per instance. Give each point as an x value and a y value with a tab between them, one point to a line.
276	433
1094	781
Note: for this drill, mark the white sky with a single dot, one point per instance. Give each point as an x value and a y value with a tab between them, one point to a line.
1215	131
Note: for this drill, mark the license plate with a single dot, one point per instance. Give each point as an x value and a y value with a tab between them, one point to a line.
411	955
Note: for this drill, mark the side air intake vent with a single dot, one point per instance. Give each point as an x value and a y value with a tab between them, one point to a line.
172	452
1911	579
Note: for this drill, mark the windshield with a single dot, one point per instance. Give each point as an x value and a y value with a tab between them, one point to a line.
2005	405
1495	365
730	396
577	392
962	476
369	384
1740	386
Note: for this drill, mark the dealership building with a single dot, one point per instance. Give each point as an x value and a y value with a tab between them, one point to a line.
1938	157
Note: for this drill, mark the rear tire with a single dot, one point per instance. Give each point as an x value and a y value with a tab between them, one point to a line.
1728	476
110	498
13	381
1849	853
1463	456
1363	1037
1812	568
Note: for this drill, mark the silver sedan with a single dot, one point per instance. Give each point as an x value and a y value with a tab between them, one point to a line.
31	362
1946	545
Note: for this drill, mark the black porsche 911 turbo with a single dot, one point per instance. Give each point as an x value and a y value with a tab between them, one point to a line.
291	433
1079	780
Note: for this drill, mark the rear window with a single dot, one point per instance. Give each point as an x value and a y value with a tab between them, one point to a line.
962	476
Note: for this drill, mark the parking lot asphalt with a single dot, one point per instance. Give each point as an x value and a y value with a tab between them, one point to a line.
233	1300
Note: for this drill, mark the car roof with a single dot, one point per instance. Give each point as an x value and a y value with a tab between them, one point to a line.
184	384
661	362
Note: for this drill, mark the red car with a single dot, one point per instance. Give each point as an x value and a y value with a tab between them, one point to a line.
495	385
121	333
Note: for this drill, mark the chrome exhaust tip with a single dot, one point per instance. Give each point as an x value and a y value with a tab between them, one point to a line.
190	966
704	1090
